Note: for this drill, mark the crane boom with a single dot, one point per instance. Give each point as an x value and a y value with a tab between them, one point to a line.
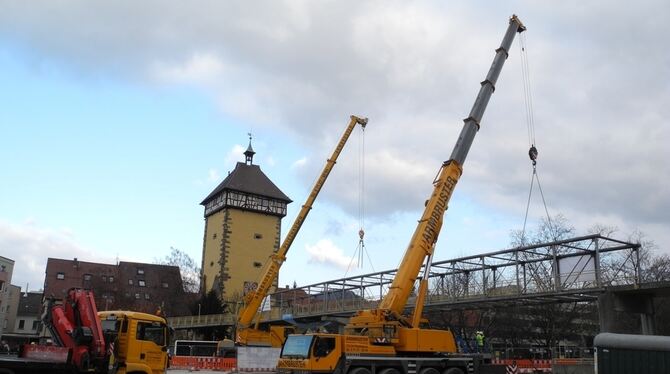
428	229
254	298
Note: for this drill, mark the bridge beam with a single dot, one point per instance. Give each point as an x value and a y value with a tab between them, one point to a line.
641	303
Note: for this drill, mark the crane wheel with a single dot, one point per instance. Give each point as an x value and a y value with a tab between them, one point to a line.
360	370
390	371
453	371
430	371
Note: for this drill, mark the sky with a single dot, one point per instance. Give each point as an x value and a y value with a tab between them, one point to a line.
118	118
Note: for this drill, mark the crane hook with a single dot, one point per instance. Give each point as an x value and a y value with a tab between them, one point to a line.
532	153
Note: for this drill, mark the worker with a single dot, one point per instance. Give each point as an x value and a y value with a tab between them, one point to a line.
479	337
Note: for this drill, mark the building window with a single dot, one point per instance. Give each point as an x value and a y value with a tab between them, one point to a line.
60	275
104	278
35	325
137	296
164	285
140	271
141	283
87	277
258	236
22	324
257	264
214	236
111	279
146	296
130	282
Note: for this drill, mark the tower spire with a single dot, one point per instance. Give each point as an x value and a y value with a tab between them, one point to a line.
249	153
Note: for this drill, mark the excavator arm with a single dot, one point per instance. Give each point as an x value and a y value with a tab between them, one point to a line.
246	334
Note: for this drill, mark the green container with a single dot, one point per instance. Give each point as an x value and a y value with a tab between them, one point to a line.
627	354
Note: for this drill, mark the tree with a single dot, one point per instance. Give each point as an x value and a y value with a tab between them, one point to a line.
208	304
190	272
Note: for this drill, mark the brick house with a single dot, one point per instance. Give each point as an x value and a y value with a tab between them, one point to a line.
126	286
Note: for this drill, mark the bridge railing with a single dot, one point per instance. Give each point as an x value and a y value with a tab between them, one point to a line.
201	321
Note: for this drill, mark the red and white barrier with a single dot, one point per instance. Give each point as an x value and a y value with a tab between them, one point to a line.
203	363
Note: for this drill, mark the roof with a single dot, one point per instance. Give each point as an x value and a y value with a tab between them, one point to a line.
635	342
249	179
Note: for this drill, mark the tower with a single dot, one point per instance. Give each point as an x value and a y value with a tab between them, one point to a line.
242	229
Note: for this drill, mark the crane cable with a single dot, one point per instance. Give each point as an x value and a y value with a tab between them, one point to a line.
530	125
361	200
361	252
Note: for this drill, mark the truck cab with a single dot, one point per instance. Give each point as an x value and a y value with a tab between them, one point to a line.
140	341
310	352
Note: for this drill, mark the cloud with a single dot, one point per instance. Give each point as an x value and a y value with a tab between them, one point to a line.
213	176
300	68
235	155
299	164
200	69
30	244
325	252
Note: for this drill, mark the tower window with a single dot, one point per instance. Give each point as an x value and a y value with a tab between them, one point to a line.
211	263
258	236
257	264
214	236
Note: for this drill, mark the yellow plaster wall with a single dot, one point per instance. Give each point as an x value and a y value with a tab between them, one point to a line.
212	248
244	249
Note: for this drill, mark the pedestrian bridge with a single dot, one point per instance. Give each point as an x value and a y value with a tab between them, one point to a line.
576	269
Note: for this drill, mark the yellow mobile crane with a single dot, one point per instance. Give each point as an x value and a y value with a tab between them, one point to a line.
248	332
383	340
